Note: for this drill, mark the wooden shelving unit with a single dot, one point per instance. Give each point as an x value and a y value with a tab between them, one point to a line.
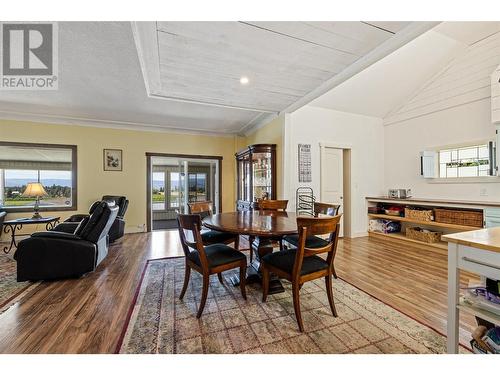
422	222
445	227
401	237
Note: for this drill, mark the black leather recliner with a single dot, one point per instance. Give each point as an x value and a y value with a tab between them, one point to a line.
117	229
56	255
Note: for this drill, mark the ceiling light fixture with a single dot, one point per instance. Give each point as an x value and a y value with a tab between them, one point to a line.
244	80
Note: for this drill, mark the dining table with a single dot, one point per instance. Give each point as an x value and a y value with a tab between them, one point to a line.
263	228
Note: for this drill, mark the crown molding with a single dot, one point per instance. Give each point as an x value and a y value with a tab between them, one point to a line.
109	124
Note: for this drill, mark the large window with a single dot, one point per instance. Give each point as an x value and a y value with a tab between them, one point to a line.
54	166
198	187
158	191
174	183
470	161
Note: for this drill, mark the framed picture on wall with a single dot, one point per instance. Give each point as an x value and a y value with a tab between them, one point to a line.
113	160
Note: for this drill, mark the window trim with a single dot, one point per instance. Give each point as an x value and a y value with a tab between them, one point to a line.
74	178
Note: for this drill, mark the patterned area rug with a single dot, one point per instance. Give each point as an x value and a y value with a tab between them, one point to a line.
10	289
161	323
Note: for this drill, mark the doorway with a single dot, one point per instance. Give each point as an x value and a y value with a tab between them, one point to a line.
336	182
174	181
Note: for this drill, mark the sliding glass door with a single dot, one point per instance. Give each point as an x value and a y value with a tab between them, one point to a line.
176	182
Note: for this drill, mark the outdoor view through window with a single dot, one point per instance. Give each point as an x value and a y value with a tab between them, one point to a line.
49	165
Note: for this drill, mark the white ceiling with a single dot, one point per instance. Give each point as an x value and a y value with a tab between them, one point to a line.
102	81
387	84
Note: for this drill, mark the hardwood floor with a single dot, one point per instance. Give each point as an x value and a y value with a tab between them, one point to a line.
87	315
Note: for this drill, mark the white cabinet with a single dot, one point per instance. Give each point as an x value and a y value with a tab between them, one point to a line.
491	217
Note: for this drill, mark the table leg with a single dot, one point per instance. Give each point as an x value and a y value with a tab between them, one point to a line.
453	298
261	246
11	228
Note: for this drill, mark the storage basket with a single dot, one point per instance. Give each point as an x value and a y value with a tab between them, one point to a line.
424	235
422	215
459	217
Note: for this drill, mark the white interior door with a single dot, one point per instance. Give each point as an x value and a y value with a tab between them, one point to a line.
332	178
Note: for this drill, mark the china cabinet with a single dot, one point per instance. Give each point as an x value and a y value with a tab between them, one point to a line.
256	175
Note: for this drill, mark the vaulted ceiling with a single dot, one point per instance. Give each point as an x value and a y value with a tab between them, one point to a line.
186	75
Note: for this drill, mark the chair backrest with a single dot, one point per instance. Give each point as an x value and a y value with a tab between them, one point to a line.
313	226
326	209
99	222
192	224
273	204
203	209
120	200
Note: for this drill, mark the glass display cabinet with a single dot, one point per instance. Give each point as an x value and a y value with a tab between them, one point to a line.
256	175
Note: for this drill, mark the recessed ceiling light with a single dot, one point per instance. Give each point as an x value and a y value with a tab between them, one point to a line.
244	80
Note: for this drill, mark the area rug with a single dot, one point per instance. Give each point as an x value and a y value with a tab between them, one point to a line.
10	289
159	322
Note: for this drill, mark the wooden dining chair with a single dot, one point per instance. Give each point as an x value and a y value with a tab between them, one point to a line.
210	237
207	260
312	241
270	205
303	264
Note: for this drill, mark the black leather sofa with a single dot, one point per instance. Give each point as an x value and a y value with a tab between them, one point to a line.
117	229
57	255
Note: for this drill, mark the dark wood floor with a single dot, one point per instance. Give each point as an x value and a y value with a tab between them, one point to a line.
87	315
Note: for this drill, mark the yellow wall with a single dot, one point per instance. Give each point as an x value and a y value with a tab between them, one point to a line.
93	182
270	133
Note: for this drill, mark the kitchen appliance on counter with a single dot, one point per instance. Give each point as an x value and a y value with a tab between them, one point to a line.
399	193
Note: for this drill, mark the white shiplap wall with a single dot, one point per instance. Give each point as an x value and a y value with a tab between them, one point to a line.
495	96
465	80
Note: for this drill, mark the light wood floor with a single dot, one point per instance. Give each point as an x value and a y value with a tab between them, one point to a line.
87	315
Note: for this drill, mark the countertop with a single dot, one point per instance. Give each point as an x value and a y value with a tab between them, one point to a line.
486	239
437	201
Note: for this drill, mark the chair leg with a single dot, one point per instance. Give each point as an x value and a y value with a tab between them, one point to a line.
329	291
243	281
237	242
334	273
221	280
250	242
281	244
204	294
265	282
296	305
187	274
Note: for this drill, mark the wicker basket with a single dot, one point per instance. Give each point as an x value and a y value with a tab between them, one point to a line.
422	215
419	234
459	217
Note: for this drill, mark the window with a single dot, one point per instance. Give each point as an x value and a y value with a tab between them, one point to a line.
470	161
158	191
197	187
173	199
54	166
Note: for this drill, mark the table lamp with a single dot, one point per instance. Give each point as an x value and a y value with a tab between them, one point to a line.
35	189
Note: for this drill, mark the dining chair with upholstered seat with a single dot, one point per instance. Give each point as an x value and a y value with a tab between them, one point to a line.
273	204
320	209
207	260
270	205
210	237
303	263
